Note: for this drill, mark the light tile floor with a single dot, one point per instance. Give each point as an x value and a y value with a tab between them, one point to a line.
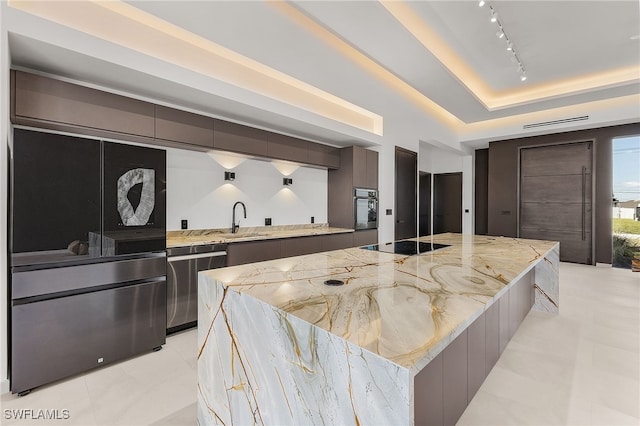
581	367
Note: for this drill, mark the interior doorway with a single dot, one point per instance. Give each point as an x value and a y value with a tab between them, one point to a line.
424	208
447	202
556	185
406	176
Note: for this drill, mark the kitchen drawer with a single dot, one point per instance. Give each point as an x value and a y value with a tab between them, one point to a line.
57	338
336	241
252	251
300	245
365	237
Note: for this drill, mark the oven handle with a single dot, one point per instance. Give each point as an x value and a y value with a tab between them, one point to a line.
196	256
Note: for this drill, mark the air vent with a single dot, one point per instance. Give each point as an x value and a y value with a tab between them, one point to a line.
554	122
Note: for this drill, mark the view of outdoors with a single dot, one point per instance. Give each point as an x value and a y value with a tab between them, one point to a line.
626	202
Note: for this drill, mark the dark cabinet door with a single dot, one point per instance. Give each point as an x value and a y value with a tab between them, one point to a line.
360	167
252	251
336	241
454	383
371	174
406	176
476	356
447	202
181	126
323	155
287	148
428	398
299	246
233	137
48	101
365	237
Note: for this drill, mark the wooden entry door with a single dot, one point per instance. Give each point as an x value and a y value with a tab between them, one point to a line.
447	202
555	198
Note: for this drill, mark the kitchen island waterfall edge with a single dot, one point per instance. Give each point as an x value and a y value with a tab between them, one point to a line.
278	346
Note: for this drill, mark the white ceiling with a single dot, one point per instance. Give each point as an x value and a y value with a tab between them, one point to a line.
320	42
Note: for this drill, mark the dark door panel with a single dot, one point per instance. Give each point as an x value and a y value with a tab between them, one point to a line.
556	198
425	204
447	204
406	194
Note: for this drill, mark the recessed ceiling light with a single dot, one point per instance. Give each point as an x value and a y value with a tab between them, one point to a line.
523	77
481	3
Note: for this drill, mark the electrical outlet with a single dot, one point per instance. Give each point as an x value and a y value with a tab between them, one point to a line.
388	212
184	224
313	219
267	221
100	360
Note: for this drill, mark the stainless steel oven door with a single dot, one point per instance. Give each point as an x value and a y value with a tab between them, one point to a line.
365	212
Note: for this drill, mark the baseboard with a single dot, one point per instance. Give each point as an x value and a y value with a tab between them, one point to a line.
4	386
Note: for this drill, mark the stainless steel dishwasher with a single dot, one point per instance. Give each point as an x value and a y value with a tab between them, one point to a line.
183	265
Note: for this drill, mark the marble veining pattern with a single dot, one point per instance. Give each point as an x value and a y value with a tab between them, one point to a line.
346	354
224	235
260	365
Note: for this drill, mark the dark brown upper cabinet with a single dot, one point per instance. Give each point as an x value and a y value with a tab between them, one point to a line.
324	155
186	127
365	168
48	103
234	137
358	169
284	147
54	104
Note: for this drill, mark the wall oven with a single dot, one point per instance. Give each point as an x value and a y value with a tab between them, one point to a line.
365	208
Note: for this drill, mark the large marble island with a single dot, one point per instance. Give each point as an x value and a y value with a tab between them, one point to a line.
407	339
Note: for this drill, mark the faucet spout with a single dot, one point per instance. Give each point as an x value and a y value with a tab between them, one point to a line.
234	226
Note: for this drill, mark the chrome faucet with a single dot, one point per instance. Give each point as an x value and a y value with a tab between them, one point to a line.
234	226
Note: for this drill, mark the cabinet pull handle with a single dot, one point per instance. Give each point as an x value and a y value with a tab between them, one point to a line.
584	202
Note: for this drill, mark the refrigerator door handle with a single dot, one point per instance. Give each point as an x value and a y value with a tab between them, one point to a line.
584	202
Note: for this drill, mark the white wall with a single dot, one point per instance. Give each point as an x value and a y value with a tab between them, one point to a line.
197	191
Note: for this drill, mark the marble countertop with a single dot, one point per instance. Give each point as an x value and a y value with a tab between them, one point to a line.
405	309
224	235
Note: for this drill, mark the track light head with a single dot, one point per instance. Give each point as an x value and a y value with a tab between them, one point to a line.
500	34
523	77
481	3
494	16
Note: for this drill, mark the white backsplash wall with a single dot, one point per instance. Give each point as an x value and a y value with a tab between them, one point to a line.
197	191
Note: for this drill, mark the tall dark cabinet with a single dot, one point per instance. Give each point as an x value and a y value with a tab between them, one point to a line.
358	169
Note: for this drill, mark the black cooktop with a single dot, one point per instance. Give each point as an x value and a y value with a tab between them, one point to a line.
406	247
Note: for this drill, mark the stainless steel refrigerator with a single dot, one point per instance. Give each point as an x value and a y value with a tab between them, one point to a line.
88	255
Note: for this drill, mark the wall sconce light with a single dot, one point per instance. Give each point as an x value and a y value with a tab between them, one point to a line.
229	176
287	181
